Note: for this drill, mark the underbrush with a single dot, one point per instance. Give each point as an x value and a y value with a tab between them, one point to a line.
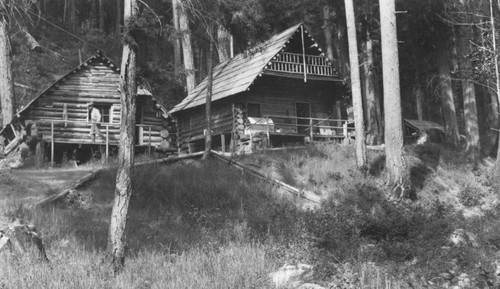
206	225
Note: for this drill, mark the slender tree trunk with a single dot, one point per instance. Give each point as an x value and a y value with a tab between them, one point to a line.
223	38
447	99
497	77
123	190
469	96
371	101
177	42
118	19
397	171
355	85
7	101
340	42
208	104
102	14
187	49
418	94
328	31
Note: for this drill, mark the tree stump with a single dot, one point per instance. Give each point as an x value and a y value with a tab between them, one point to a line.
17	237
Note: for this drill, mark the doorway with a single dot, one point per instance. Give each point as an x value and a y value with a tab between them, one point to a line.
303	110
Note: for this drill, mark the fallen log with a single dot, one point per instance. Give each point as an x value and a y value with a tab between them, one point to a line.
17	237
169	160
75	185
314	199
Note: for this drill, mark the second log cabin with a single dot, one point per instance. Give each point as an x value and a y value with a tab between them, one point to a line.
282	90
61	116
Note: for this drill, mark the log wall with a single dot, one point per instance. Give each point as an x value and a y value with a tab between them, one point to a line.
66	105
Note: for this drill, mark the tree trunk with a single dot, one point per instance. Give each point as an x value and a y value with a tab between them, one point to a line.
447	100
497	77
469	96
328	31
123	190
223	42
355	85
208	104
7	101
187	49
102	14
397	171
118	25
418	94
177	42
340	43
371	99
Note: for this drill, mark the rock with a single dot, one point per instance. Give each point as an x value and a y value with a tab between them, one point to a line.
289	274
17	236
460	238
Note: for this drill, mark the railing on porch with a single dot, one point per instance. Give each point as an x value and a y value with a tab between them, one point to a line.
294	63
306	126
104	128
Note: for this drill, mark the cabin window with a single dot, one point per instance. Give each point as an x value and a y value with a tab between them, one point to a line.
253	110
104	110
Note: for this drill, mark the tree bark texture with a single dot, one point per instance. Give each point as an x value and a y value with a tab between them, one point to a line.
7	101
187	49
208	103
177	42
396	169
370	97
123	189
469	96
223	42
497	78
328	31
447	99
357	100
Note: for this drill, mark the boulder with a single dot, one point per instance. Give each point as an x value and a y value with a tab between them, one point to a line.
291	276
17	236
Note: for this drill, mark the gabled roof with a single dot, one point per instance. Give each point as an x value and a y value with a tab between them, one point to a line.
98	57
235	75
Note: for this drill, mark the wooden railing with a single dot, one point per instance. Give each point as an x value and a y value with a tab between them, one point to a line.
294	63
144	131
307	126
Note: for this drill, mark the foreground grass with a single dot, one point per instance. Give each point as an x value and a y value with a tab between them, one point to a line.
205	225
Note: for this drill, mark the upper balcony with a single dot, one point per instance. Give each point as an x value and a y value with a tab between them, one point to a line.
293	63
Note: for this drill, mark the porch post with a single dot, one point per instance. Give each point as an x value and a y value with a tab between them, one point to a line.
52	143
149	141
311	128
107	142
223	141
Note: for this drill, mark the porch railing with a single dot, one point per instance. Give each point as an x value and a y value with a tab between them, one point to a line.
145	131
306	126
293	63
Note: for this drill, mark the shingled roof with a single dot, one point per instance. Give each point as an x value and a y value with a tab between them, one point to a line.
237	74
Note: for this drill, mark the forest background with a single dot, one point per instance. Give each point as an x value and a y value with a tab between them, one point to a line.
446	51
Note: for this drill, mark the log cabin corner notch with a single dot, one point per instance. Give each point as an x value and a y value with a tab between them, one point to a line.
282	90
60	115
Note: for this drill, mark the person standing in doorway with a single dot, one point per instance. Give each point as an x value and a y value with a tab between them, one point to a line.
95	119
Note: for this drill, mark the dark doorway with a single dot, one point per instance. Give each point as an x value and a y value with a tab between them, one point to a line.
303	114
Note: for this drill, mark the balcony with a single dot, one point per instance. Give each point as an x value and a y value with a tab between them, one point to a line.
293	63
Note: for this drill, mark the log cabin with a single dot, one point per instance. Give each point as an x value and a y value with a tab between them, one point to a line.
284	89
60	115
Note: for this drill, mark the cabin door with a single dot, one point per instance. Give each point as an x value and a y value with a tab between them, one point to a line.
303	112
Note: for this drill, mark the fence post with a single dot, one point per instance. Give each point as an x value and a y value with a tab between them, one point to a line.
52	143
107	142
267	131
149	141
311	128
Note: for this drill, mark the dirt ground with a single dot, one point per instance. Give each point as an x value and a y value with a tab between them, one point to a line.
23	187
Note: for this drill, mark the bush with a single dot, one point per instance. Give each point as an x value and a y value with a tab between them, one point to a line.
470	196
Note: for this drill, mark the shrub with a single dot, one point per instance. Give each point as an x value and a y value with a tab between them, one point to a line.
470	196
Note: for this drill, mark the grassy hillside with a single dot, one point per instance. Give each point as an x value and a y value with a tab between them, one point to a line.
206	225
